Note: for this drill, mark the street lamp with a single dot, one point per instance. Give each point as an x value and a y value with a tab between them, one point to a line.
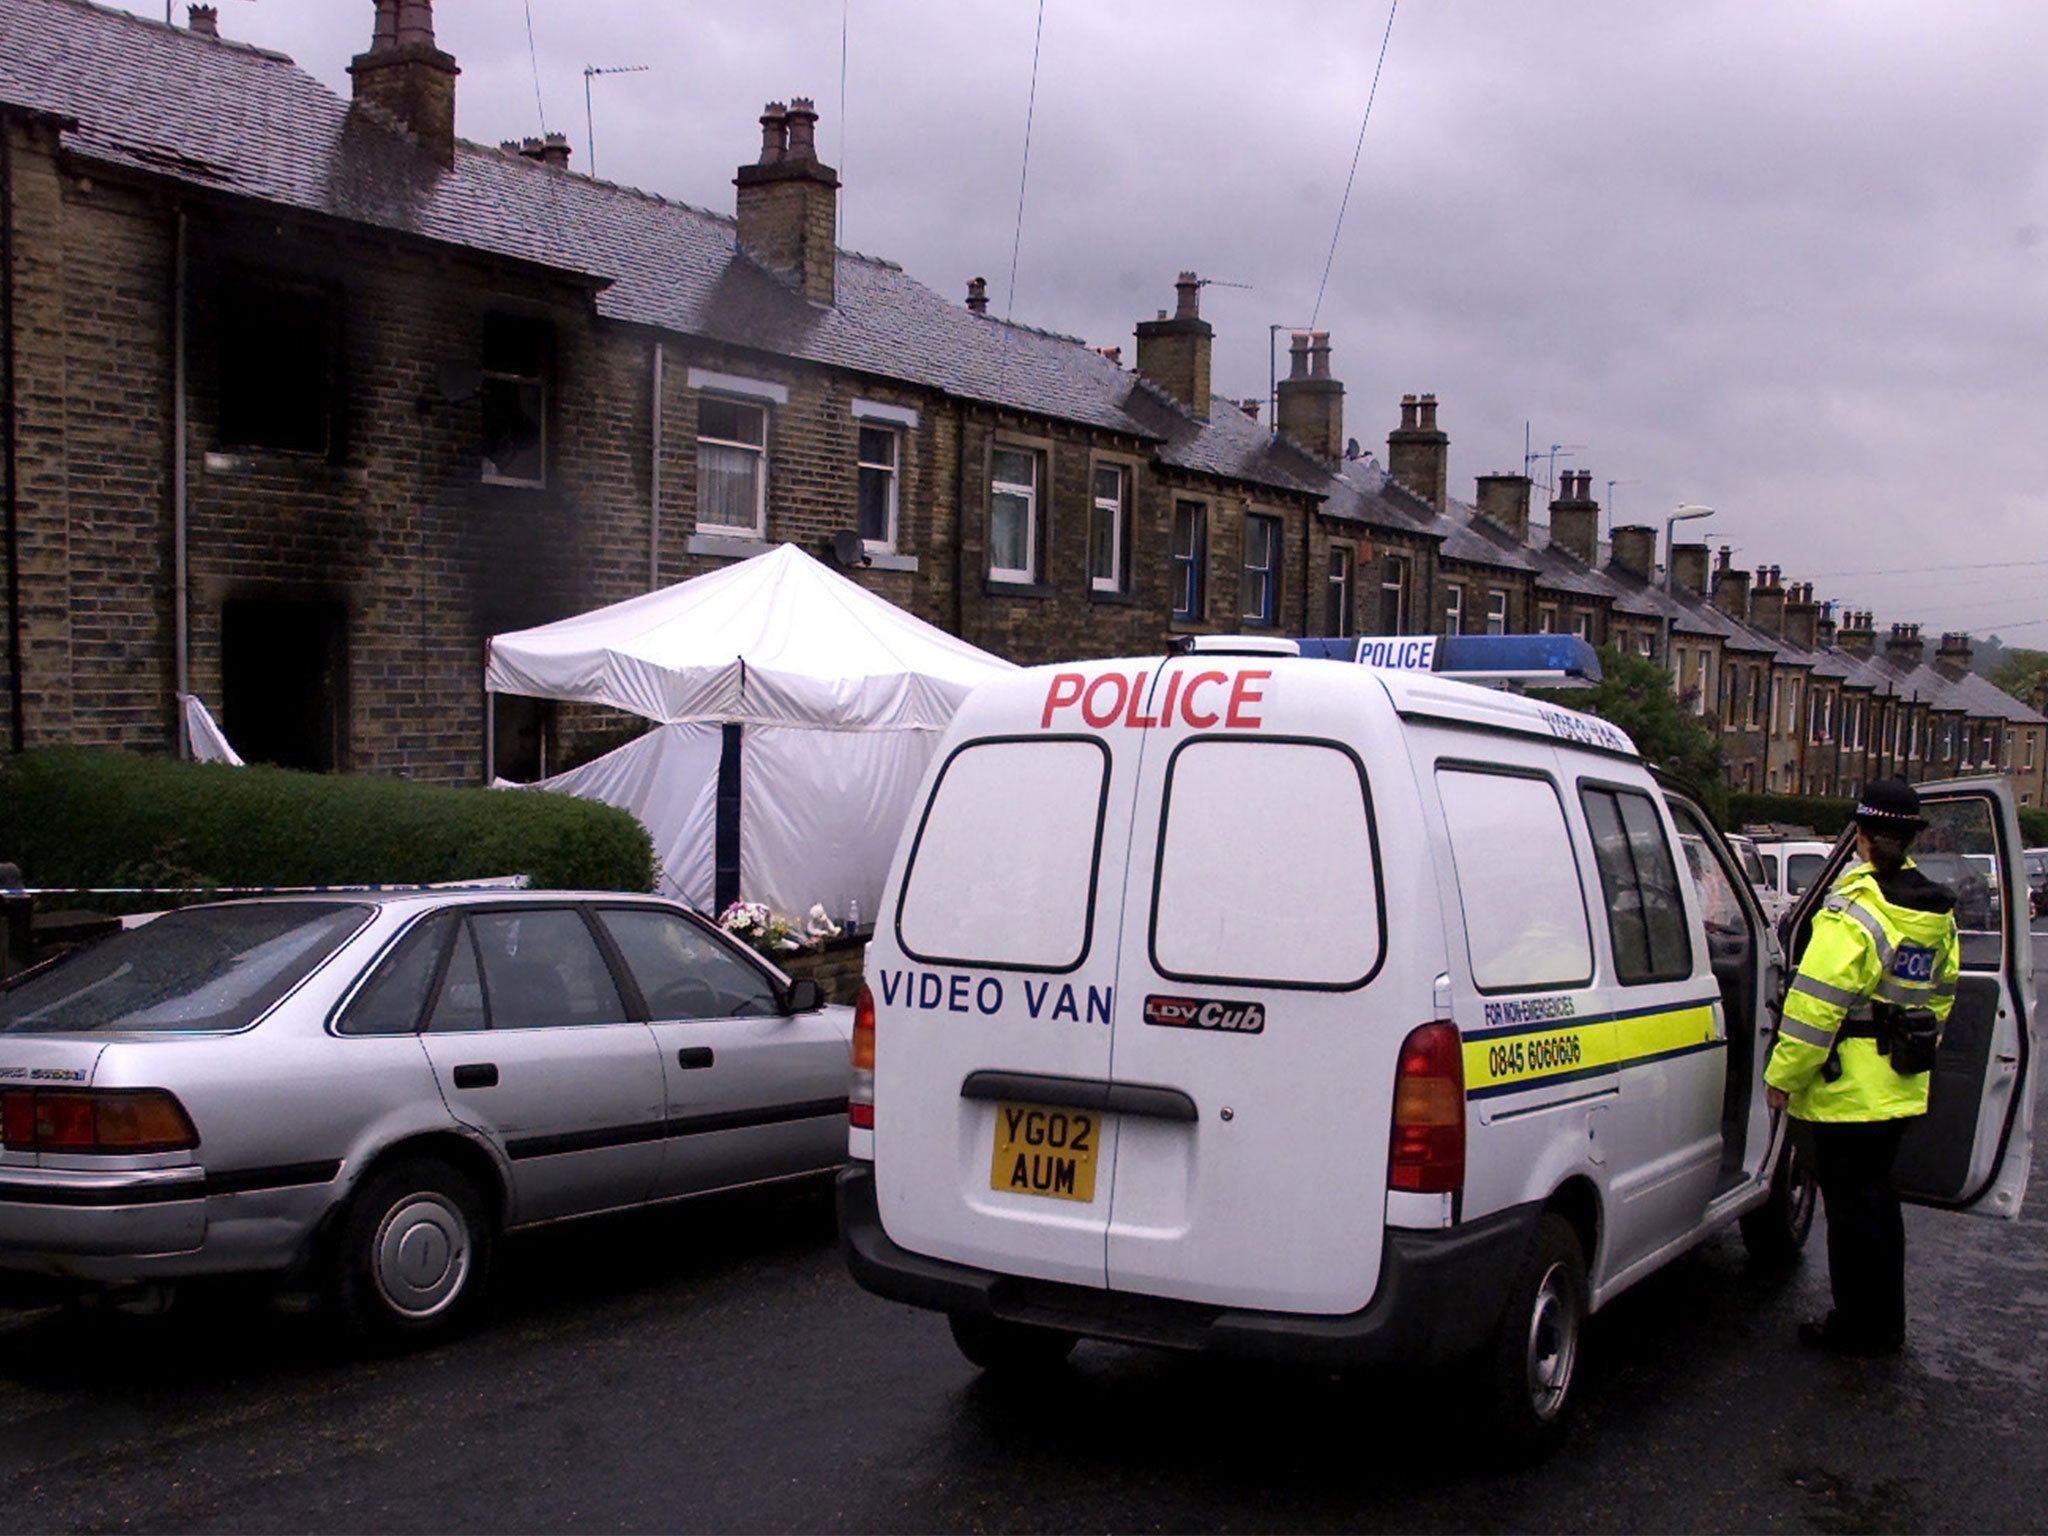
1683	514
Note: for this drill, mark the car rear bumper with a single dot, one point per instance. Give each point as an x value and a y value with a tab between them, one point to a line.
158	1223
1439	1295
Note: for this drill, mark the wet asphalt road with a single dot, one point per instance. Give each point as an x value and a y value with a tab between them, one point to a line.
711	1368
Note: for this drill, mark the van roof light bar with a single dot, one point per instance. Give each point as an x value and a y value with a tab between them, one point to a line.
1552	660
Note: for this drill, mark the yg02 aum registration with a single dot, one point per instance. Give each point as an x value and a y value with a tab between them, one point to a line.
1042	1150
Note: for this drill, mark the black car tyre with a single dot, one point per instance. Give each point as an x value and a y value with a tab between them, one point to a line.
1534	1357
412	1253
1775	1232
1010	1349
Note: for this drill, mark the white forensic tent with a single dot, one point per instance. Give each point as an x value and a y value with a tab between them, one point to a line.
838	697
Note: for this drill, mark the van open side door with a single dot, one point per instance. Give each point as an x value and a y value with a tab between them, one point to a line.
1972	1149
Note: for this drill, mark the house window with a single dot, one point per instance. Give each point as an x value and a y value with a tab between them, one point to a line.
1454	610
514	396
1703	679
1394	594
880	457
2027	757
1337	593
732	465
1582	626
1777	702
1261	569
278	358
1756	697
1645	646
1013	515
1109	529
1496	611
1190	561
1546	619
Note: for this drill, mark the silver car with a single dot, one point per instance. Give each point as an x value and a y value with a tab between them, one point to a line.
360	1093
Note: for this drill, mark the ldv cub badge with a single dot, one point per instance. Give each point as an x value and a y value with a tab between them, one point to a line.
1206	1013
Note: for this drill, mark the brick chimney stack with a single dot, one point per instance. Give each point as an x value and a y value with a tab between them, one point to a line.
1802	616
552	150
1575	517
407	76
1904	647
1504	502
1418	455
1954	654
1635	549
1689	569
1311	405
1858	634
789	203
1731	587
977	295
1174	353
1767	602
203	19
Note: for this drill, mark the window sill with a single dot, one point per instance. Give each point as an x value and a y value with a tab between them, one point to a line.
997	587
1113	599
263	461
878	560
728	546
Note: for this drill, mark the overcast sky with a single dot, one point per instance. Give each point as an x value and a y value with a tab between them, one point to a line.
1786	260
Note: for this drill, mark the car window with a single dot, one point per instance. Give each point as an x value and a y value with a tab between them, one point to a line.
1959	844
542	967
1022	898
205	968
684	972
1720	907
460	1002
394	999
1769	861
1645	915
1267	871
1752	866
1518	883
1801	869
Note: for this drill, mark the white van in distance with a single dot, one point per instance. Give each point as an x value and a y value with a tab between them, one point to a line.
1291	1008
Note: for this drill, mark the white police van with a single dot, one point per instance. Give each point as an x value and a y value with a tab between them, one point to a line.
1280	1007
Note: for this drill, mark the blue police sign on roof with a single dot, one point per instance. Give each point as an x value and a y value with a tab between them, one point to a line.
1472	658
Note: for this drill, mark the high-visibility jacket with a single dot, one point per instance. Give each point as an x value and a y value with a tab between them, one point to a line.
1889	939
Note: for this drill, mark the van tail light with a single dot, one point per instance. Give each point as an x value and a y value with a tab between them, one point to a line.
860	1101
1428	1150
113	1121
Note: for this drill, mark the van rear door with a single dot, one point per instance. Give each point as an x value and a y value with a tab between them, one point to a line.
1256	926
1972	1149
993	978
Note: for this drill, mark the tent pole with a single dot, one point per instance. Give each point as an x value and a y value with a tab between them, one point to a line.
654	482
490	738
725	837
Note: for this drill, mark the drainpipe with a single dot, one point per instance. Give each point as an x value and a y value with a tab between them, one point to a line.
17	718
180	616
654	482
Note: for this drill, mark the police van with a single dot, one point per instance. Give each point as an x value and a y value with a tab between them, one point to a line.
1281	1006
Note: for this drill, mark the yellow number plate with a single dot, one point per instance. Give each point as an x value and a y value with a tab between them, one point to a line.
1045	1151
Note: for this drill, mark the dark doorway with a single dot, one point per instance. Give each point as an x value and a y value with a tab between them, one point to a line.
283	681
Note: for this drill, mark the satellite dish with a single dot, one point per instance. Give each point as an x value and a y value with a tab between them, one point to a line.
847	548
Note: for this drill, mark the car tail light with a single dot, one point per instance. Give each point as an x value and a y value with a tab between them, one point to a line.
860	1103
106	1120
1427	1154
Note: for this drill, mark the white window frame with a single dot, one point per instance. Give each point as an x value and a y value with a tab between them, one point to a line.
1454	609
1703	679
1582	626
1264	577
1190	566
893	471
1338	584
752	394
1117	509
1496	610
1546	619
1399	587
1029	495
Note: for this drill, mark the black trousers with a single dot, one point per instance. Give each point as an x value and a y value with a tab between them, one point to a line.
1866	1234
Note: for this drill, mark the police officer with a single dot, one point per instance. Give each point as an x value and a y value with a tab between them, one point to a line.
1852	1059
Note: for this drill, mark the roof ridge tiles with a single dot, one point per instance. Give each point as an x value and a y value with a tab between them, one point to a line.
173	29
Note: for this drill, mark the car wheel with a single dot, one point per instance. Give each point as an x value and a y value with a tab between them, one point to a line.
1010	1349
1775	1232
1535	1355
412	1254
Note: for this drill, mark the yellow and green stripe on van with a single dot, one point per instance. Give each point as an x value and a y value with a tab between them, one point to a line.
1507	1058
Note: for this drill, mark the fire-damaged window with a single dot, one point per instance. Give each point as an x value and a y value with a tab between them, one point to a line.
518	364
278	374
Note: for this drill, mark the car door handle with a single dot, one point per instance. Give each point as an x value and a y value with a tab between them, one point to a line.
693	1056
477	1074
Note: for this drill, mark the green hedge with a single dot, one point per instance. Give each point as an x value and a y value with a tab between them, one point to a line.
72	817
1827	815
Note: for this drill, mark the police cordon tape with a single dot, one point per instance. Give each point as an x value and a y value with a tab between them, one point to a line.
487	883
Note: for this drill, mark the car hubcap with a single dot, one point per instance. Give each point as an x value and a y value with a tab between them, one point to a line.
1553	1342
422	1255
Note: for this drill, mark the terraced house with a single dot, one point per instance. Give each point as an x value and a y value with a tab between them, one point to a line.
305	396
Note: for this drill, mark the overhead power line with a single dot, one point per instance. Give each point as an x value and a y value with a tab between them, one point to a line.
1031	107
1356	151
1922	570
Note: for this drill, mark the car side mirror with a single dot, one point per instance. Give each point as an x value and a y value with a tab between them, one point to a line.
804	996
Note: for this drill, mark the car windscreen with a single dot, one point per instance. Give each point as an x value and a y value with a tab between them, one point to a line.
1800	869
207	968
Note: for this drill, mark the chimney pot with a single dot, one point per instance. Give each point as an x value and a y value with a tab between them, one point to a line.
384	37
1319	354
416	23
1426	411
1187	291
1297	356
977	295
774	132
203	19
803	130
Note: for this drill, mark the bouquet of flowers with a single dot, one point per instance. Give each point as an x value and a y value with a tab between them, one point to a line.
754	924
